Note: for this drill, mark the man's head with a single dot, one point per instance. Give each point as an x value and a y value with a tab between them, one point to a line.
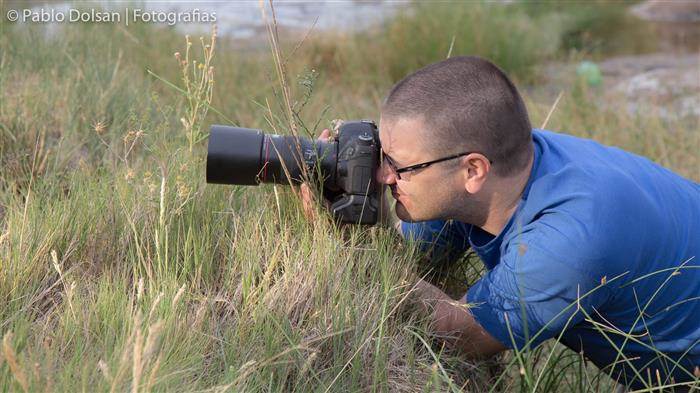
460	105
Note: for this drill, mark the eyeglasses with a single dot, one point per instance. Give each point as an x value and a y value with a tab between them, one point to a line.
411	168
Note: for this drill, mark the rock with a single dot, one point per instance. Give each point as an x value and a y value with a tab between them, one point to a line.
664	84
667	84
668	11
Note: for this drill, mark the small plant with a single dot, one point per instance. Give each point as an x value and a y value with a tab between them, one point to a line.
198	80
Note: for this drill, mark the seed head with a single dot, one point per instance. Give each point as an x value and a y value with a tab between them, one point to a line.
99	127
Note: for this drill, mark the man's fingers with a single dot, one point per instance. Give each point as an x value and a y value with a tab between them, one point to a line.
307	199
325	135
306	195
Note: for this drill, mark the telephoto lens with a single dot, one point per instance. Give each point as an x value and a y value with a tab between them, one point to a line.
248	157
345	166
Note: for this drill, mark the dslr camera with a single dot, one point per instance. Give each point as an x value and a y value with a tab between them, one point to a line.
345	166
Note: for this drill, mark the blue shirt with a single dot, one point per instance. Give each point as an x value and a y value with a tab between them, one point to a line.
602	252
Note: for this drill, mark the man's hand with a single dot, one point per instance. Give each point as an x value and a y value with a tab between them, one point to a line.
308	199
452	321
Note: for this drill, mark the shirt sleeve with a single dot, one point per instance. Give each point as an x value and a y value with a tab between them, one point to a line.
442	241
534	293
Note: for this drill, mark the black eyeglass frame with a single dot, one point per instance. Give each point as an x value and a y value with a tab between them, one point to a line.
411	168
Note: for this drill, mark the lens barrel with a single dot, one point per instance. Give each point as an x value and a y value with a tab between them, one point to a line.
248	157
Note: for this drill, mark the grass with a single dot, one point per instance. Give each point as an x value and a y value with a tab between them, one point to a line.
121	270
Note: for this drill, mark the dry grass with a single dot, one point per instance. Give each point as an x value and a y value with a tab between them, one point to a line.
121	270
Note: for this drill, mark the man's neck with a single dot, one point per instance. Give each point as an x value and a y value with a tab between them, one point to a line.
505	199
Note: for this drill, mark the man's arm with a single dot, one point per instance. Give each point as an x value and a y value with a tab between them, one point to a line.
452	321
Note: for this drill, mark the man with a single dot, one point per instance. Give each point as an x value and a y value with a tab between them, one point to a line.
585	243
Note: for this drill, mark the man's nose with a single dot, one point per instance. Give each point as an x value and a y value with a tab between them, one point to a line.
384	175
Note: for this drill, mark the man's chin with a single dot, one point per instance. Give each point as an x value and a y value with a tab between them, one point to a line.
402	213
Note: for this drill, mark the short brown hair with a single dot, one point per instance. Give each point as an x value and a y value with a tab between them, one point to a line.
467	103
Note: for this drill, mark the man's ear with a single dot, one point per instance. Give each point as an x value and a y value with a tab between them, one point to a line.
476	168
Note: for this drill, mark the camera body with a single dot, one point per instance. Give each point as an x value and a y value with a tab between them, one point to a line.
358	160
346	165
